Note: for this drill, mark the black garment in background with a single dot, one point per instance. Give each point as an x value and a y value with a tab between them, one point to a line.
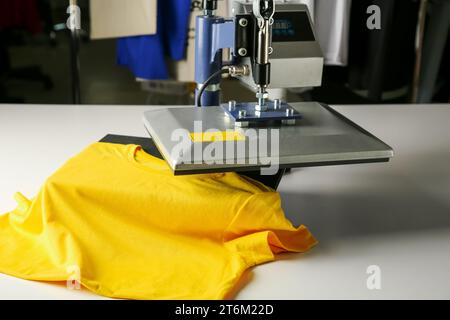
433	59
443	82
4	64
4	55
382	60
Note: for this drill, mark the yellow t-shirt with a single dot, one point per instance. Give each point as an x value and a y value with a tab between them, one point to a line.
118	219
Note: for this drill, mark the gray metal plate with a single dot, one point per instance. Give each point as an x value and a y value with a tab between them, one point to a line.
322	137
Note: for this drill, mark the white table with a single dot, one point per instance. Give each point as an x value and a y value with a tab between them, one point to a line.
394	215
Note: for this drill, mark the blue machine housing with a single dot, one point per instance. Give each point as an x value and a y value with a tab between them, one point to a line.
213	34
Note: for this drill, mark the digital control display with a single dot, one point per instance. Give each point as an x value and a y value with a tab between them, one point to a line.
283	27
292	26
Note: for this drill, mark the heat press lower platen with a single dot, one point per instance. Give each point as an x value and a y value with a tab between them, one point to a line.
322	137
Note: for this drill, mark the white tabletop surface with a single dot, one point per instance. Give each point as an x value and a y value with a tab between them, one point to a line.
393	215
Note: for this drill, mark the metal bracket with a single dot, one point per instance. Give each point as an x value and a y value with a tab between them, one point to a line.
246	113
244	35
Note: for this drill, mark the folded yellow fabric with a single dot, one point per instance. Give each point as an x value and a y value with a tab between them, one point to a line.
136	231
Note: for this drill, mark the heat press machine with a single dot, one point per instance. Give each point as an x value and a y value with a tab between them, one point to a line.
271	45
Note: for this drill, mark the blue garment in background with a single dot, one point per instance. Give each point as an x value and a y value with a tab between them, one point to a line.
146	56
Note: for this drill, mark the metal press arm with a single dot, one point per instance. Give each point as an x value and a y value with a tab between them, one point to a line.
263	11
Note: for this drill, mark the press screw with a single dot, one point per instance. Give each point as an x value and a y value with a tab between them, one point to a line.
242	52
231	105
243	22
276	104
289	112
